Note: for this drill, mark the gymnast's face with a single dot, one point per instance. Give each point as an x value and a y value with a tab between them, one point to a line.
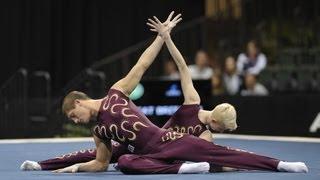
80	114
216	126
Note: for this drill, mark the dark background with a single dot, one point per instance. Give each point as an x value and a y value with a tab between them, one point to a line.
280	115
65	36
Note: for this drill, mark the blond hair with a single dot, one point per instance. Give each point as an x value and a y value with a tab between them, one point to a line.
68	101
226	115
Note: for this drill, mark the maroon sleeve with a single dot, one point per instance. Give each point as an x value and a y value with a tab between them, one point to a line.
95	131
184	111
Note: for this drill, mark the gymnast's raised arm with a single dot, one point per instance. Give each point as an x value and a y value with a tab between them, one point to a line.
127	84
190	94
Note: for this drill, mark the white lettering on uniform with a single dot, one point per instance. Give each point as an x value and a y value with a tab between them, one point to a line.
131	148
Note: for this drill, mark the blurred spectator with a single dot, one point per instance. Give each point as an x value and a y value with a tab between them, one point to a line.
170	71
231	78
201	69
252	87
216	84
314	84
253	61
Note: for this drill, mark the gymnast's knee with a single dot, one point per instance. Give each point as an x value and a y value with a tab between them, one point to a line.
125	163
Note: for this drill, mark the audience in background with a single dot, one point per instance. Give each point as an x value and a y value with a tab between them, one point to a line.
201	68
170	70
253	61
252	87
231	78
228	81
314	83
217	84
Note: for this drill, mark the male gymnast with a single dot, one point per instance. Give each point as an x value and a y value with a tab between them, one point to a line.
154	149
160	162
189	118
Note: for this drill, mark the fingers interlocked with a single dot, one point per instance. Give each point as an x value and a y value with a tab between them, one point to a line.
165	27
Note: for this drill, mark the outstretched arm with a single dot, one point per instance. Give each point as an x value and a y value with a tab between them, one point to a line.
190	94
127	84
101	162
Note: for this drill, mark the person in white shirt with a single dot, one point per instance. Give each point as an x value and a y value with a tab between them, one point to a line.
231	78
253	61
170	71
201	70
252	87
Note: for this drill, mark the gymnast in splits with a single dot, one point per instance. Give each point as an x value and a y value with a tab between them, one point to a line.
154	150
189	118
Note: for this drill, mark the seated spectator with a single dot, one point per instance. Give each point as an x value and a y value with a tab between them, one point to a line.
252	87
253	61
217	85
170	71
201	69
231	78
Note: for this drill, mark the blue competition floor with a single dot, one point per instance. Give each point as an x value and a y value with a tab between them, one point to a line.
12	155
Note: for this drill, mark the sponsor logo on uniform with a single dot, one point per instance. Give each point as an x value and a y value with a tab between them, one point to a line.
131	148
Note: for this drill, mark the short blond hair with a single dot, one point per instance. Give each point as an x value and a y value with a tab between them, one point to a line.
68	101
225	114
